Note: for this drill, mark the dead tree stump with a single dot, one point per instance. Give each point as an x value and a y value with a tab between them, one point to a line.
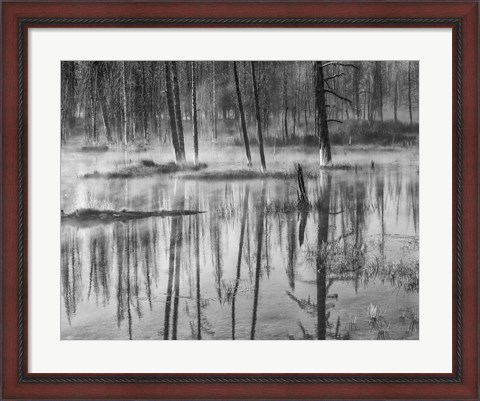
303	201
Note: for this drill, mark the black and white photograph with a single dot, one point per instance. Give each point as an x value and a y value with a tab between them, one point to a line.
239	200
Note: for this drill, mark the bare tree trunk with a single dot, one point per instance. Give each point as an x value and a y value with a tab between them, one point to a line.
325	152
194	113
285	102
214	101
105	117
153	101
65	100
295	103
178	112
131	105
305	109
124	90
242	115
410	91
93	99
144	106
356	89
171	110
380	89
259	122
395	99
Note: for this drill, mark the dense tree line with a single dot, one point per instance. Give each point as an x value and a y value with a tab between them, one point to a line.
128	102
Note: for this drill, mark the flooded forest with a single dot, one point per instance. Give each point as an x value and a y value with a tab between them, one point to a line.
239	200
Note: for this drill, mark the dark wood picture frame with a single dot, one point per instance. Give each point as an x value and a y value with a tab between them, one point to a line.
18	17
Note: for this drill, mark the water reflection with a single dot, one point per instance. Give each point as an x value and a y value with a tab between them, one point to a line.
252	266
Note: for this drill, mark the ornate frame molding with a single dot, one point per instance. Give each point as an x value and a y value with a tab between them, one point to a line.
25	378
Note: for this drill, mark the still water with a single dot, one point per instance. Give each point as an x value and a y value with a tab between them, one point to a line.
251	266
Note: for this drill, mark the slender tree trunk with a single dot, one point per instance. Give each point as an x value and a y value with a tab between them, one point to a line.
105	117
395	99
171	110
153	100
194	113
410	91
146	137
364	104
370	106
285	102
71	98
124	93
380	89
131	104
295	105
242	115
259	122
214	101
93	99
307	110
356	89
325	152
65	95
178	112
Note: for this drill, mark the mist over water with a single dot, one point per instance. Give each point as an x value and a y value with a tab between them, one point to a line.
252	266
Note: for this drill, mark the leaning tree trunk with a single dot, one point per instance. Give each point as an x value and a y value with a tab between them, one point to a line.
194	113
106	117
325	152
171	110
178	112
242	115
259	122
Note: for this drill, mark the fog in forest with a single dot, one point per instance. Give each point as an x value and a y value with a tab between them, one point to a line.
243	200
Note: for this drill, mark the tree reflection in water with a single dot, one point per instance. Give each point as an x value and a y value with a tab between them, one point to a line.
252	266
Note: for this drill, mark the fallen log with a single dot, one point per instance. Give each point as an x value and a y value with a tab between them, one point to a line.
91	217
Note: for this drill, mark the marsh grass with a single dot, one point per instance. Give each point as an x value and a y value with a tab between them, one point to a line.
347	260
252	174
94	149
147	168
